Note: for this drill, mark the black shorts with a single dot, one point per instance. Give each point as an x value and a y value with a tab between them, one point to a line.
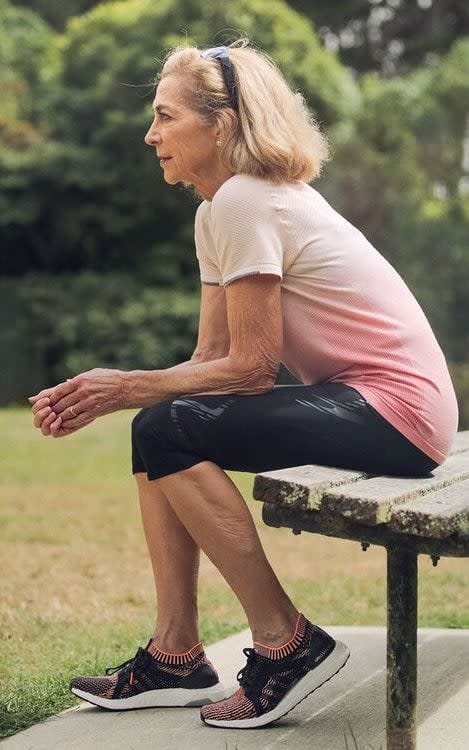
292	425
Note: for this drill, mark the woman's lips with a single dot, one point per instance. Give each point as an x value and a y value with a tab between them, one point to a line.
164	159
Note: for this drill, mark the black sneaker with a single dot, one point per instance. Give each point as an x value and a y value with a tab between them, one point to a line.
270	688
144	682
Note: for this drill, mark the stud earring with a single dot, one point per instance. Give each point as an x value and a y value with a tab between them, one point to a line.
218	143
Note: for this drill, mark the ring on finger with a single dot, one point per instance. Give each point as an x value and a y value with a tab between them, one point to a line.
72	410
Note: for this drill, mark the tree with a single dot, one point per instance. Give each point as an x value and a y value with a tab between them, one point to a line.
444	128
25	44
399	174
90	189
57	12
376	173
388	35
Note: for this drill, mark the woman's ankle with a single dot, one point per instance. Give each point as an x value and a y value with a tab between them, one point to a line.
175	640
276	632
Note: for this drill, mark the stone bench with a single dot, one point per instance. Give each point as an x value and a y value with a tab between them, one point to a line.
408	517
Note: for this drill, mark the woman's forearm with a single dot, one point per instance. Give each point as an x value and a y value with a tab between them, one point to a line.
220	376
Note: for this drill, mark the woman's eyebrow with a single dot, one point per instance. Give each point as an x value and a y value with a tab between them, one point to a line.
160	108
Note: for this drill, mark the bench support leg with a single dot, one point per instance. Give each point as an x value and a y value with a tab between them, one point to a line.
401	698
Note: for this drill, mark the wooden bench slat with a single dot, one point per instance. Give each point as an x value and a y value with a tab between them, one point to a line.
300	486
461	442
437	515
304	486
371	501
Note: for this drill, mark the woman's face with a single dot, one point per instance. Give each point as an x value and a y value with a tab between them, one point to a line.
184	143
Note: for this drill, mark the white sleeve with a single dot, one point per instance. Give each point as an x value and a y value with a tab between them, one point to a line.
245	229
208	266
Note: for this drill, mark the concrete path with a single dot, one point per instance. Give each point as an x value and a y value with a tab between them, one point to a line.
353	700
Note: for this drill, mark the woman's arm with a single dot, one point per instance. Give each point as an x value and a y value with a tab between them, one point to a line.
213	342
253	314
213	339
255	326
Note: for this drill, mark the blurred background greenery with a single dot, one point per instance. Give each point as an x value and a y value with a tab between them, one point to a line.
98	266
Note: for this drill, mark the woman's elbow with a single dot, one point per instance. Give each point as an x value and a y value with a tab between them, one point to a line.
262	376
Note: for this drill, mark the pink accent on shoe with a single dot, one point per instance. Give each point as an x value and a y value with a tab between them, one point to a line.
279	652
168	657
237	706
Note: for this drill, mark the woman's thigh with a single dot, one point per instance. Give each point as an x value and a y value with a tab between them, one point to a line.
329	424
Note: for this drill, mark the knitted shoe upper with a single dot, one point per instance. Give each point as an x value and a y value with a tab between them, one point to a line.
264	681
143	672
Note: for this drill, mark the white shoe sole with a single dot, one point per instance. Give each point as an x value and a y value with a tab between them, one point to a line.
307	685
158	698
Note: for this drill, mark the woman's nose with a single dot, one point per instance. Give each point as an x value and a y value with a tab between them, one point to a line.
152	137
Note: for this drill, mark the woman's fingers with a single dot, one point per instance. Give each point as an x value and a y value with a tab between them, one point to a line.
43	416
62	390
40	415
46	423
51	423
55	393
68	407
55	426
56	411
71	405
60	428
42	394
39	405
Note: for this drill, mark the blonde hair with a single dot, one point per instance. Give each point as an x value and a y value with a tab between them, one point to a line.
275	136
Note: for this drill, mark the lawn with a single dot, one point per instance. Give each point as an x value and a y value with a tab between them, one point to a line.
76	592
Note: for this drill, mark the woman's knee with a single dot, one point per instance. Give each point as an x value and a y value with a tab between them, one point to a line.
152	423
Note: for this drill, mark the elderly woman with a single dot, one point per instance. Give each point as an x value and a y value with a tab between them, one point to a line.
284	278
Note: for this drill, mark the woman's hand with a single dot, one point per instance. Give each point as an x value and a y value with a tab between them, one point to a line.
69	406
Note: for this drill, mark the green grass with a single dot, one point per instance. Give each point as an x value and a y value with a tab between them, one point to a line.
35	681
76	590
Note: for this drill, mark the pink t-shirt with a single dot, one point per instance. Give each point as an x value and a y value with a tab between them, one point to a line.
348	316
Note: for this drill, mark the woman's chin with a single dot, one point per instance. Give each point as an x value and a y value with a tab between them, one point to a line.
170	179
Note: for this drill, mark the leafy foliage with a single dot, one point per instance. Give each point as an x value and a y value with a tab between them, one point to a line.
79	191
399	174
90	190
387	35
85	320
24	51
57	12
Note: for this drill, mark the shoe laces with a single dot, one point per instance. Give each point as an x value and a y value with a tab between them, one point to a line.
128	665
247	676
